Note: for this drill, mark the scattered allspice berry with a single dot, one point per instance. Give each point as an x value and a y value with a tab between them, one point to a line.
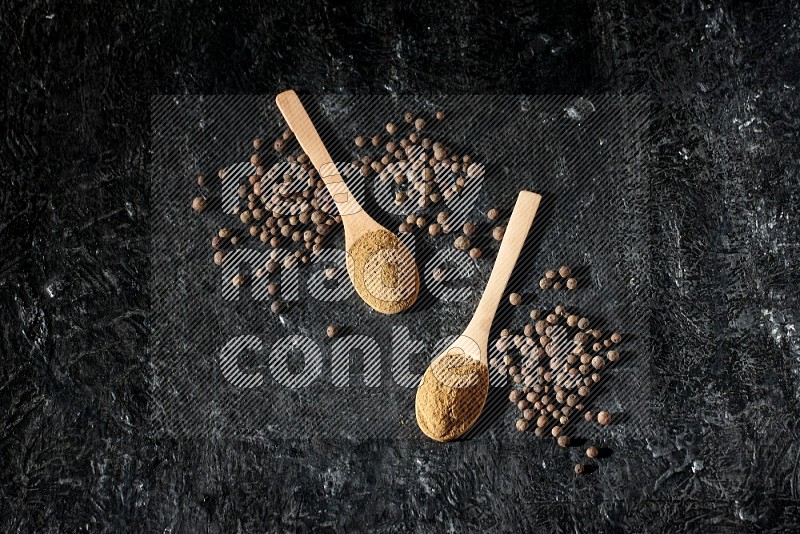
332	331
498	233
238	280
198	204
604	418
592	452
475	253
439	115
276	306
461	243
572	283
515	299
616	337
522	425
563	441
564	271
542	421
492	214
545	283
580	469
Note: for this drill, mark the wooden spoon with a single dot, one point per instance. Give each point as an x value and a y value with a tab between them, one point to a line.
448	404
380	266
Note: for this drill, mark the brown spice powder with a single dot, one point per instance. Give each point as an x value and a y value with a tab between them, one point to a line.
451	395
383	272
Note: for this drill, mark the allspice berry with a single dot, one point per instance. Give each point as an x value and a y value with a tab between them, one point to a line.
332	331
604	418
461	243
238	280
515	299
572	283
361	141
492	214
545	283
475	253
598	362
563	441
498	233
276	306
616	337
612	355
199	204
439	115
542	421
469	228
564	271
592	452
522	425
419	124
580	469
219	257
391	128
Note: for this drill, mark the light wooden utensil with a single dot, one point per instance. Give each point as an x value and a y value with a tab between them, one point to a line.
356	222
474	342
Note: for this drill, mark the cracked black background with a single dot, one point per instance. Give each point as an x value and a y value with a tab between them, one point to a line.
78	453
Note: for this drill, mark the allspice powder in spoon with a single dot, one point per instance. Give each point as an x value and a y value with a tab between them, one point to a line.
383	271
451	395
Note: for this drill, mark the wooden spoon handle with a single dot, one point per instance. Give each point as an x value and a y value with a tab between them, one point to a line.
300	123
510	248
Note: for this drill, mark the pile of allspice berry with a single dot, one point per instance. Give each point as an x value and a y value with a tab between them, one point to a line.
286	207
422	174
553	366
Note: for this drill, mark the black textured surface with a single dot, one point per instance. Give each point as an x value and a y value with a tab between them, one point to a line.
78	453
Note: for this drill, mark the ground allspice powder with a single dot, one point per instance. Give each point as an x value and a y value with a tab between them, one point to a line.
383	271
451	395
